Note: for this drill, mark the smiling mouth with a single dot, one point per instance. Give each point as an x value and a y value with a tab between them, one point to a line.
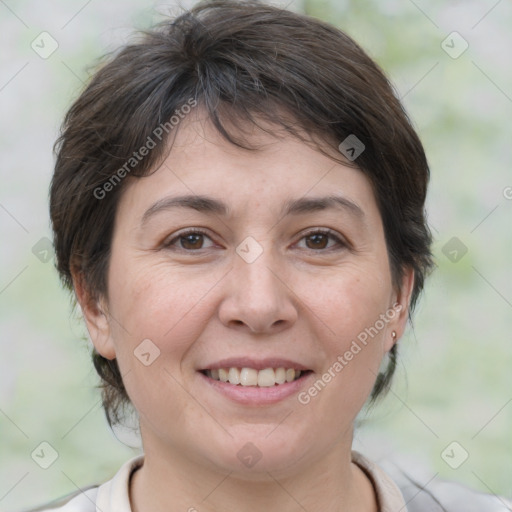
267	377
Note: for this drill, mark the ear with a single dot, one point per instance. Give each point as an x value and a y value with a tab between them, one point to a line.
400	306
96	318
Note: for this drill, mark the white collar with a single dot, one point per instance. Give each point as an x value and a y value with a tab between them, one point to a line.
113	496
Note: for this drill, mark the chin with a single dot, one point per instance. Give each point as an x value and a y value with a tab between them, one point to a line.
251	456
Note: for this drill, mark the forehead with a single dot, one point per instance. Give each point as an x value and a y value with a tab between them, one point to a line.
280	175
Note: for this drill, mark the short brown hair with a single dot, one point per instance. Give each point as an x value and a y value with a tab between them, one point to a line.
240	61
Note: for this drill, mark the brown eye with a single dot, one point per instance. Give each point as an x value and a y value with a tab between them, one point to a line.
192	240
319	241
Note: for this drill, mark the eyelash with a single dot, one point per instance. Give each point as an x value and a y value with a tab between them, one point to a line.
198	231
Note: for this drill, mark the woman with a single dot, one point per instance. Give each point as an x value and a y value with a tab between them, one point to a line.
238	205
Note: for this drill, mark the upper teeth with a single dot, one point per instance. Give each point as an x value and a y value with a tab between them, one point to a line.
251	377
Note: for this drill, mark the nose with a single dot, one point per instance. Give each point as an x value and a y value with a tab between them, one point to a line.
259	297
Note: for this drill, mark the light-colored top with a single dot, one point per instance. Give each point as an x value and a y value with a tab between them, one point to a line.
392	496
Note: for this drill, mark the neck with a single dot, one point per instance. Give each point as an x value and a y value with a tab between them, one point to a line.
174	482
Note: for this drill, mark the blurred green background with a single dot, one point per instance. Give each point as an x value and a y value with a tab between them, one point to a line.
454	382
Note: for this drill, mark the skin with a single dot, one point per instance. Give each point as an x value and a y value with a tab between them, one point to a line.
198	301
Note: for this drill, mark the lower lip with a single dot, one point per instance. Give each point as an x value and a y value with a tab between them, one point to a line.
253	395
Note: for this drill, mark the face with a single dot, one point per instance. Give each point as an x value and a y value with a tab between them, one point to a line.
235	264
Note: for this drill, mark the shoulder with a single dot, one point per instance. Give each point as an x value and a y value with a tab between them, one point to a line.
80	501
109	496
424	495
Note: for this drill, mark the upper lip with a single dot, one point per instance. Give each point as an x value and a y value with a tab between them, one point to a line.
257	364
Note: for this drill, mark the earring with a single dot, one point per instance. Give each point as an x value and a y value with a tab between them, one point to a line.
393	333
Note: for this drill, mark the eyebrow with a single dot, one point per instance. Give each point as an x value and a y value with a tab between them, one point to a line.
205	204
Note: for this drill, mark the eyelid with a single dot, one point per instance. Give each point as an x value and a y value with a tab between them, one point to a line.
171	241
341	241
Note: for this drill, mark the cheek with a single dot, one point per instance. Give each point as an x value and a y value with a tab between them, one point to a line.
158	313
352	302
158	301
351	310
